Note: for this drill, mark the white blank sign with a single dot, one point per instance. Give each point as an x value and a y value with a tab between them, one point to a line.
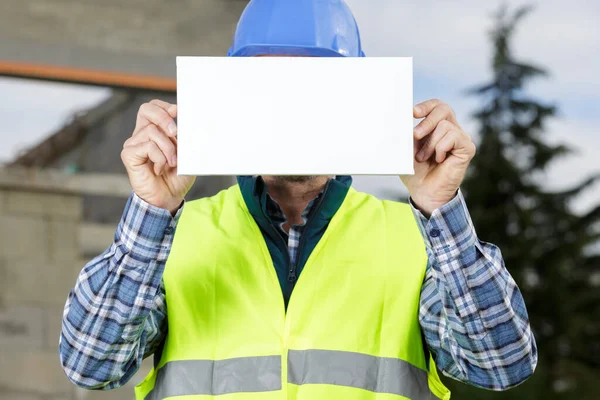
294	116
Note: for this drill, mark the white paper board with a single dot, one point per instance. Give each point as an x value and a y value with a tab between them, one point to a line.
294	116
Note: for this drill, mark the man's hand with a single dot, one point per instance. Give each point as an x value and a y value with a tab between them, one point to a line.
150	157
442	154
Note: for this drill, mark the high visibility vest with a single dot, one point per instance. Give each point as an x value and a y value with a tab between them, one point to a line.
351	330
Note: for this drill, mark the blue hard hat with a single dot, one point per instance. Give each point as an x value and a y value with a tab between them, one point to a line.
321	28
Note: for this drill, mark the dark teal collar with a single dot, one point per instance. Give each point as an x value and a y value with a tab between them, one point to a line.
254	193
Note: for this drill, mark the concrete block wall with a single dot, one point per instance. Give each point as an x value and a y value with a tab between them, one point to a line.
40	258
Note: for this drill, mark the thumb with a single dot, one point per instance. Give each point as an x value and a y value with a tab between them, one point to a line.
172	110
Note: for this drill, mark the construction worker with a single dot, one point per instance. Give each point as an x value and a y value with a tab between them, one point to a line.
297	287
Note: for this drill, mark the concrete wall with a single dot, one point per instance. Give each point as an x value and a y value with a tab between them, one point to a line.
133	36
42	246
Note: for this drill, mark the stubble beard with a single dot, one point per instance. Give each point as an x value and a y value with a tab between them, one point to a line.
295	178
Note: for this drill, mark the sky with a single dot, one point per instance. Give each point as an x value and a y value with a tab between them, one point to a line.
451	52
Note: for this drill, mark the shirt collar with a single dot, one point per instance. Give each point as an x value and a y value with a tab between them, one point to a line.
255	196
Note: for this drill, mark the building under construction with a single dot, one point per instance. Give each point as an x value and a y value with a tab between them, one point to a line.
60	200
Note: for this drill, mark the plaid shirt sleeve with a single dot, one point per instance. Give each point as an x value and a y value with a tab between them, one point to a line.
116	314
472	314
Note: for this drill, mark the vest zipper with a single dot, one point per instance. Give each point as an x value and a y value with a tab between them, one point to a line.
292	274
283	246
292	277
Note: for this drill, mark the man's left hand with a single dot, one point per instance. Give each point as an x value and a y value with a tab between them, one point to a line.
442	154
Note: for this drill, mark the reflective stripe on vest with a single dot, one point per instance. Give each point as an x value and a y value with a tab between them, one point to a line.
194	377
262	374
376	374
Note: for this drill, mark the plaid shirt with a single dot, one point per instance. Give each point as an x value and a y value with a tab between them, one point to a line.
471	311
278	218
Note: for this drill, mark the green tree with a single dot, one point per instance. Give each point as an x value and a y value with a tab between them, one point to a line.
547	247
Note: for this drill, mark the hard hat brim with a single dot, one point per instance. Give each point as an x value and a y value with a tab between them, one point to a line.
287	50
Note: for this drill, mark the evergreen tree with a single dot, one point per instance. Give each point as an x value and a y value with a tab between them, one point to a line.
547	247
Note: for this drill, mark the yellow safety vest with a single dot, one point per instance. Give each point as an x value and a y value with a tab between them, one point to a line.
351	330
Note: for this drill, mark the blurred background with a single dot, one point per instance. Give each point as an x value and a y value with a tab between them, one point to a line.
522	78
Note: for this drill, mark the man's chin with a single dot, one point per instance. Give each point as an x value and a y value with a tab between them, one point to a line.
295	178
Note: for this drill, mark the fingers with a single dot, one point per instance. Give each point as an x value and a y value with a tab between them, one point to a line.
439	133
155	113
447	140
154	138
166	144
439	113
168	107
445	146
421	110
139	154
431	141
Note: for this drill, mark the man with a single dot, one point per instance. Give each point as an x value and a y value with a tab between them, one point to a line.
297	287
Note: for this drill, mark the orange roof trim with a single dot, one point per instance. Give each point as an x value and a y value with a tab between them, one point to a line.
87	76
